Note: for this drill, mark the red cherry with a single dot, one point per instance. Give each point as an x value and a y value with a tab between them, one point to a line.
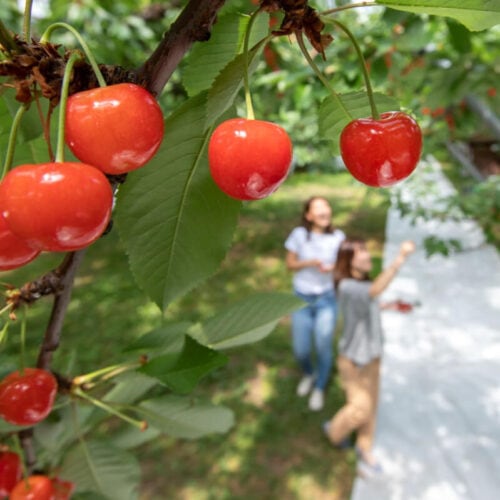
249	159
26	398
403	306
36	487
10	472
381	152
62	489
117	128
57	207
14	252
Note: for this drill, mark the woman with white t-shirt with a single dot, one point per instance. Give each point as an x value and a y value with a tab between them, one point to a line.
311	253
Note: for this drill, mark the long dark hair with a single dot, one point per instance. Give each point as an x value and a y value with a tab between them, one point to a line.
343	265
308	224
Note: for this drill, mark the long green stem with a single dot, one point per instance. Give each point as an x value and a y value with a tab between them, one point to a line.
3	332
246	80
88	53
362	62
23	341
62	105
27	20
142	425
19	450
11	145
320	75
349	6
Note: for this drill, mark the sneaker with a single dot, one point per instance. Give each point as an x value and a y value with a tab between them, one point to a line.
368	470
317	400
305	385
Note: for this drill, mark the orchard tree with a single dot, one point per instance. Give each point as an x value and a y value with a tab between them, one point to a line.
164	149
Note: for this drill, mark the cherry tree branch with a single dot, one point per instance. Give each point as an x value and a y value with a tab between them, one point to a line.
62	297
193	25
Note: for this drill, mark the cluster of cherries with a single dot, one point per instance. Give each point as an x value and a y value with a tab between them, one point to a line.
66	206
26	398
35	487
249	159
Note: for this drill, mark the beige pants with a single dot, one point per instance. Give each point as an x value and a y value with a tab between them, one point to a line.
360	384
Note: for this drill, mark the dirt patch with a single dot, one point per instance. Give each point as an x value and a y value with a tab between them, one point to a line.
484	156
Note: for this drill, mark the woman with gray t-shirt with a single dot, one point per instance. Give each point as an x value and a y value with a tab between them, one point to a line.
360	347
311	253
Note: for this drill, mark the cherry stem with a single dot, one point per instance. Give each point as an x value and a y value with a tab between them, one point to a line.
362	62
75	56
105	373
246	80
11	146
27	20
349	6
23	340
5	308
320	75
3	331
88	53
6	39
140	424
19	450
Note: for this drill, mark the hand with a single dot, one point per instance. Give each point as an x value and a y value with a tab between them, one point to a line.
406	248
326	268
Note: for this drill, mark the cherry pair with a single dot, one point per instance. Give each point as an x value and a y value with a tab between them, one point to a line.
66	206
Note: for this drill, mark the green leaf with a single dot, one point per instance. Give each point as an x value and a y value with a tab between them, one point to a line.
228	83
103	468
129	387
176	224
182	373
246	321
332	118
168	338
34	151
476	15
207	59
460	37
57	433
179	417
129	437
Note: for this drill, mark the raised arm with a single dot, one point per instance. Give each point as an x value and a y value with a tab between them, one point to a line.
382	281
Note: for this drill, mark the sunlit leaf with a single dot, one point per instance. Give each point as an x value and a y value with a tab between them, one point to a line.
169	212
246	321
228	83
474	14
207	59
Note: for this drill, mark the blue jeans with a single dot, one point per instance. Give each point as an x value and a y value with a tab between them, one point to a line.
315	323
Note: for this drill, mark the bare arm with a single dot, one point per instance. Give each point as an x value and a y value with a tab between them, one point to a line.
382	281
294	264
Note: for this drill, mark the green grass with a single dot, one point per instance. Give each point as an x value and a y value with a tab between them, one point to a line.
276	449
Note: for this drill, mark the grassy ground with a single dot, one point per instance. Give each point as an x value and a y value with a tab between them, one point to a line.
276	449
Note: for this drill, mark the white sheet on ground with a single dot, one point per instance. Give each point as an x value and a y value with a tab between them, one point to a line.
438	431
